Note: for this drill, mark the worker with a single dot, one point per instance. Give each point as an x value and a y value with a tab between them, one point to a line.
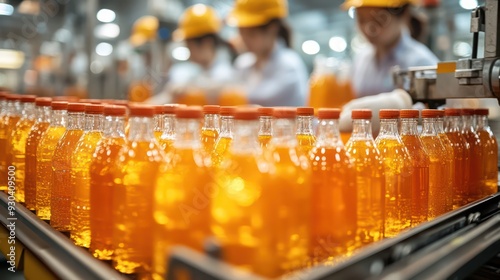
384	24
210	67
272	74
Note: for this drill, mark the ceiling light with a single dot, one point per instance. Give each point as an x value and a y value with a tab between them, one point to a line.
104	49
106	15
310	47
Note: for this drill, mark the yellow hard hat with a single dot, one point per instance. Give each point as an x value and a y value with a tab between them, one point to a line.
378	3
197	21
146	26
252	13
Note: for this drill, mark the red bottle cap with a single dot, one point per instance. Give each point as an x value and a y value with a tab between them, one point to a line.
28	98
141	111
189	112
94	109
76	107
305	111
43	101
227	110
211	109
12	97
440	113
482	112
361	114
65	98
246	114
2	95
265	111
409	114
452	112
115	110
388	114
430	113
91	101
468	112
285	112
59	105
328	113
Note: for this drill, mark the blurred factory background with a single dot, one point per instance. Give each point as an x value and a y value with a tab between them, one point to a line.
123	48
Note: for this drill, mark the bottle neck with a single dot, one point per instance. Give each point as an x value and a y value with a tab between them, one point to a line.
141	129
226	127
168	125
94	122
211	122
43	114
362	130
482	123
284	132
305	125
429	127
76	120
329	134
389	127
59	118
439	125
409	126
246	136
454	124
13	108
114	127
28	111
3	107
187	133
266	125
468	123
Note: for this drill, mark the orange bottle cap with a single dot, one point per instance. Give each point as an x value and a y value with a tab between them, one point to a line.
328	113
388	114
265	111
94	109
90	101
141	111
189	112
361	114
468	111
305	111
482	112
28	98
65	98
246	114
115	110
211	109
452	112
43	101
59	105
285	112
409	114
2	95
227	110
430	113
170	108
12	97
76	107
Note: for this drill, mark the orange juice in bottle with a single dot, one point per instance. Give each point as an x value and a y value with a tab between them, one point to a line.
137	169
12	115
167	139
266	126
158	122
333	215
101	182
183	192
474	168
439	123
44	154
60	199
225	135
18	143
421	162
288	185
305	134
43	113
3	140
489	176
80	175
370	180
210	129
398	170
440	188
460	156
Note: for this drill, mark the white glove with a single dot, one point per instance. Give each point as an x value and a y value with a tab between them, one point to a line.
397	99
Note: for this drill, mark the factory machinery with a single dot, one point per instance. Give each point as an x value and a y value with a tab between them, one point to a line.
463	244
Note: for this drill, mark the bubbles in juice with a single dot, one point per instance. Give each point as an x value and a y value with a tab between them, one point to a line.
32	144
220	150
18	150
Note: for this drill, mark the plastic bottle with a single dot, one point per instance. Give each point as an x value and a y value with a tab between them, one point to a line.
60	203
137	169
43	113
440	188
370	180
489	175
398	170
168	137
101	182
182	214
225	135
210	130
44	154
461	157
80	174
333	214
439	123
288	186
3	140
158	122
18	138
305	134
266	126
7	124
421	162
474	169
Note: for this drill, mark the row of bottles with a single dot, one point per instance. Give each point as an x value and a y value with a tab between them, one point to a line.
276	193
